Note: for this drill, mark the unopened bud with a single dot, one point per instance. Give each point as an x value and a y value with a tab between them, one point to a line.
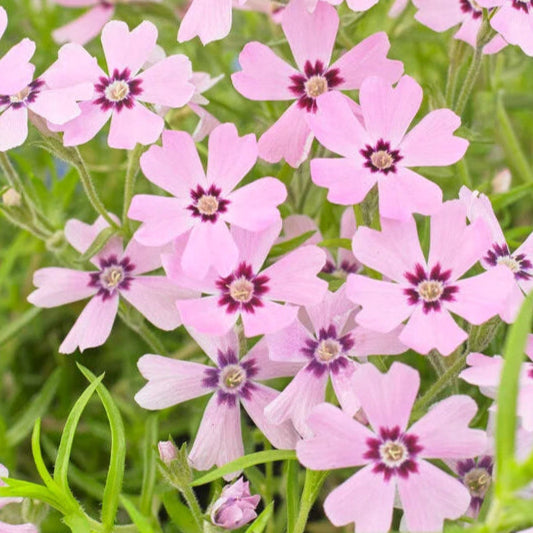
502	181
235	507
11	198
167	451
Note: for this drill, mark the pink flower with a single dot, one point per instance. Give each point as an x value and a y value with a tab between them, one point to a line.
119	274
202	82
441	15
235	506
354	5
397	7
232	382
10	528
476	476
323	341
393	456
118	96
311	36
167	451
513	21
203	205
520	262
379	150
425	292
249	292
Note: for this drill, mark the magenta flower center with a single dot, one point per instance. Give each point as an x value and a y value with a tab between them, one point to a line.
242	290
112	276
519	264
472	7
393	453
476	476
27	96
522	5
117	91
430	289
342	270
314	81
207	204
381	158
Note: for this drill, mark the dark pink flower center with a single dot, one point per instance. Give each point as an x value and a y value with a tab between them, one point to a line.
471	7
231	378
519	264
327	351
242	290
522	5
118	91
315	80
207	204
113	275
346	267
476	476
381	158
431	289
27	96
393	453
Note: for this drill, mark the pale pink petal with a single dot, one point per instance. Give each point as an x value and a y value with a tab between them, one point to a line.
332	309
515	26
3	26
433	330
132	126
145	258
76	3
206	124
311	36
431	496
264	76
230	157
83	128
287	343
439	15
155	298
393	251
128	49
254	245
388	111
361	5
21	528
483	371
176	166
268	368
397	7
169	381
297	400
293	278
296	225
168	83
13	128
288	138
254	206
206	19
211	345
219	438
332	429
15	70
368	58
345	388
483	296
407	192
269	318
93	326
368	342
364	499
59	286
281	436
84	28
205	315
384	305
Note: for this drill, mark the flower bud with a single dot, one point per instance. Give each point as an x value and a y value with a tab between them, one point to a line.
167	451
235	506
502	181
11	198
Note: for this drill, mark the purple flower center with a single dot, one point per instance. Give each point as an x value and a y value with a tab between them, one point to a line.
522	5
328	351
393	453
519	264
346	267
476	476
380	158
242	289
231	378
431	289
117	91
315	80
472	7
207	204
27	96
112	276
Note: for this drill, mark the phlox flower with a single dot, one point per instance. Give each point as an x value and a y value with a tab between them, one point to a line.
519	262
513	21
250	292
393	456
323	341
441	15
397	7
203	204
232	382
118	95
426	292
354	5
10	528
378	150
119	274
311	37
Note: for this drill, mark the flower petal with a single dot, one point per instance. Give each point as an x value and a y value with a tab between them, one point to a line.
205	315
84	28
210	21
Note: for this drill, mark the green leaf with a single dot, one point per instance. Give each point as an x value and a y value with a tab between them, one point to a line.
260	523
336	243
38	456
244	462
291	244
139	519
37	407
179	513
98	244
292	493
24	489
499	201
149	463
115	474
77	523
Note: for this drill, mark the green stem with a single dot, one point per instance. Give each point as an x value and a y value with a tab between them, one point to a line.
149	464
129	184
194	506
313	483
470	80
144	332
456	53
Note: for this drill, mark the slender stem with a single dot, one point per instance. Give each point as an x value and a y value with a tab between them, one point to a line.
470	80
149	464
313	483
144	332
194	506
129	184
11	174
456	52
